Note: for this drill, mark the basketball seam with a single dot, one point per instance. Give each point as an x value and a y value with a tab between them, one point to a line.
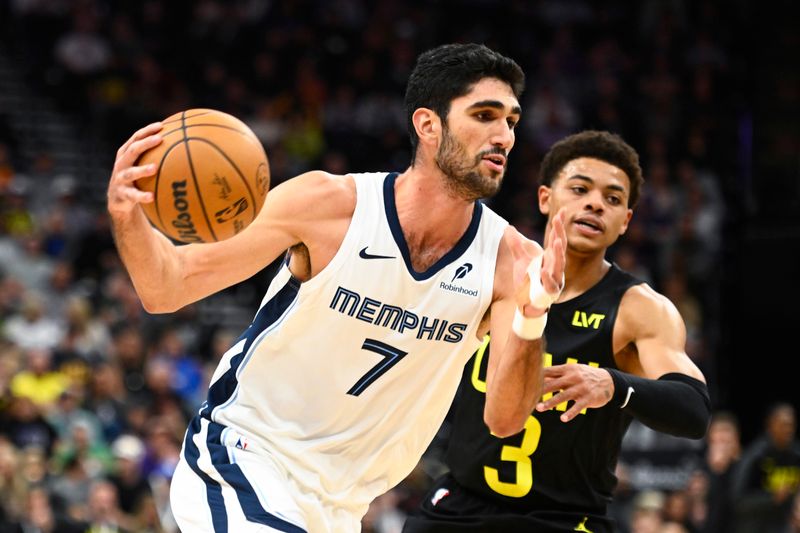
208	112
196	186
208	125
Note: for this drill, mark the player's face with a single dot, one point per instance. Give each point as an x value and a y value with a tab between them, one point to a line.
477	138
595	195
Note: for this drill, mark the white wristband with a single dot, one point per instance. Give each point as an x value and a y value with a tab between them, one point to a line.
528	328
540	298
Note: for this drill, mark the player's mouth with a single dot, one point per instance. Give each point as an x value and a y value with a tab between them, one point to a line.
495	162
589	225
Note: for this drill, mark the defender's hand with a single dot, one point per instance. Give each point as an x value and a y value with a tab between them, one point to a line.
587	386
534	296
553	262
123	196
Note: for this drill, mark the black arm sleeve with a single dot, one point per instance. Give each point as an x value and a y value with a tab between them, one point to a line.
674	403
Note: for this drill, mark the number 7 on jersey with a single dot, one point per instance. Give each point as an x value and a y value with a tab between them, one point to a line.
391	356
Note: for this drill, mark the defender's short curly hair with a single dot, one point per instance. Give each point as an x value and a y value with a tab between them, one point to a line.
602	145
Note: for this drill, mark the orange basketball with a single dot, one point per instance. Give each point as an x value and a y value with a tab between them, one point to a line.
212	177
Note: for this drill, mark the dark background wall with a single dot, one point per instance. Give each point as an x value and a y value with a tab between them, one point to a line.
762	270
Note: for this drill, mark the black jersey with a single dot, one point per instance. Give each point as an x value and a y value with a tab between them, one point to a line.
551	464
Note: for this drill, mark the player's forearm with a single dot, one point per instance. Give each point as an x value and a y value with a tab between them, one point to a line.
675	403
151	260
514	387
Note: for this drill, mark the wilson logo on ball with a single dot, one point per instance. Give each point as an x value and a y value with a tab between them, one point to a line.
183	221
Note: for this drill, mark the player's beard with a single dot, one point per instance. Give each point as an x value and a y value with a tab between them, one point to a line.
463	176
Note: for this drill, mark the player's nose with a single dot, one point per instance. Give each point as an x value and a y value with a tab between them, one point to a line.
594	200
503	136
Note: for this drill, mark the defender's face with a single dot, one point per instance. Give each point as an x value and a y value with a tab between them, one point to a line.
595	195
477	138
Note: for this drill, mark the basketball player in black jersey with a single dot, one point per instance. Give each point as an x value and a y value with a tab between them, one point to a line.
615	350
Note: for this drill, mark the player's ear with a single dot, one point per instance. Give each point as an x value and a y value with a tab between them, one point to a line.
428	126
624	226
545	193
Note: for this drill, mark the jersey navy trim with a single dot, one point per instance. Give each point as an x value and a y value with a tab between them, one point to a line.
397	232
219	516
223	389
233	476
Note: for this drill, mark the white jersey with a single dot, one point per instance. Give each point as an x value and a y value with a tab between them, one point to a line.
344	379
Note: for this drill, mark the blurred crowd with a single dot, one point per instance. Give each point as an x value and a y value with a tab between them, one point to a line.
95	394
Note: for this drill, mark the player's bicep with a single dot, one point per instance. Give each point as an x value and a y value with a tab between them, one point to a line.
660	336
288	209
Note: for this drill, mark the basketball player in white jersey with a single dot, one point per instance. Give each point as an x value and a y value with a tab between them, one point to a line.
332	394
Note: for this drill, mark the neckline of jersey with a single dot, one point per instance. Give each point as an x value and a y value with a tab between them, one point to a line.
397	232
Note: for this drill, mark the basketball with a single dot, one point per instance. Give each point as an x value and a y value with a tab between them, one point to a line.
212	177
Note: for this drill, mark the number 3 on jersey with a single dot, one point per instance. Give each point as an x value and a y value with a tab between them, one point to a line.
521	455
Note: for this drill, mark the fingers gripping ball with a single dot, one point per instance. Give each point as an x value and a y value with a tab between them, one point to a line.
212	177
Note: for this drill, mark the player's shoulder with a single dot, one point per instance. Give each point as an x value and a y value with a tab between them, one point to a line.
494	216
318	193
512	237
513	241
643	304
642	294
321	182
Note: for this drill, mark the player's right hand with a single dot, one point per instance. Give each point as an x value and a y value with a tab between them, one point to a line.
585	386
123	196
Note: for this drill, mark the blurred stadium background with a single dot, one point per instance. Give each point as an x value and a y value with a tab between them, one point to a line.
90	383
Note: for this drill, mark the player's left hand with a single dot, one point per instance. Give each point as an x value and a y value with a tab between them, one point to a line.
551	274
586	386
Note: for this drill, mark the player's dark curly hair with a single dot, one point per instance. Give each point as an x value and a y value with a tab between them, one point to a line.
602	145
449	71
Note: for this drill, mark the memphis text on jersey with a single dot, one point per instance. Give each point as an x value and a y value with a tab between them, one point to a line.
369	310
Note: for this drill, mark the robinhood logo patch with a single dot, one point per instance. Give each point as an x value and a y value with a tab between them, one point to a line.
461	273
